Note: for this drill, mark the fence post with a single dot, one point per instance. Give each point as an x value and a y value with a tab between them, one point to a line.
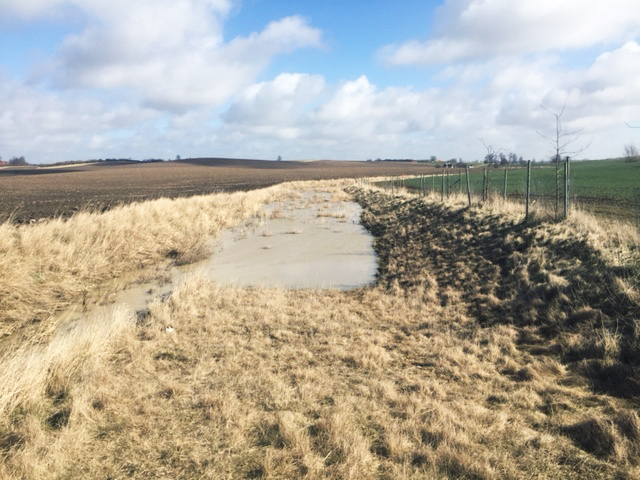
557	208
448	184
526	212
442	189
566	188
505	184
468	188
485	185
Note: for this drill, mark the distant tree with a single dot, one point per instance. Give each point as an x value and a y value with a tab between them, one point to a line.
521	160
503	159
433	158
492	154
631	153
279	158
178	157
17	161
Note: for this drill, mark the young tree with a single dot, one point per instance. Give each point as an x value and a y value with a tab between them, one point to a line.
560	142
562	138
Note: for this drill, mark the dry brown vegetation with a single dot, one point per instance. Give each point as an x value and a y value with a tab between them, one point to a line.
45	267
489	348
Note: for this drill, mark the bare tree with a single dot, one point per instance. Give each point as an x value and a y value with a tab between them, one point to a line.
492	153
560	142
562	138
490	158
631	153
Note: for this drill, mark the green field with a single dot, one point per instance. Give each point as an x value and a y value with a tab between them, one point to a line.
609	187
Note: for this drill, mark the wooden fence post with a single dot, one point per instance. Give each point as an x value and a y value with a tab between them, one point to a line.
557	207
442	189
505	184
485	185
566	189
468	188
526	212
448	184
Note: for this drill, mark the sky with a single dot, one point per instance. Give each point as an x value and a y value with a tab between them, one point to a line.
337	79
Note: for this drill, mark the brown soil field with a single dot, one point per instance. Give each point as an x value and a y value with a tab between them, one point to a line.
32	193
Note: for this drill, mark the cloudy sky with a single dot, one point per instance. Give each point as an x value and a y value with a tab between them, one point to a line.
304	79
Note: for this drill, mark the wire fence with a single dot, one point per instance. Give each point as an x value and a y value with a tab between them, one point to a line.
605	188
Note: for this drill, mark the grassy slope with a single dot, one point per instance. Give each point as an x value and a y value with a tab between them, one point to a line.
481	353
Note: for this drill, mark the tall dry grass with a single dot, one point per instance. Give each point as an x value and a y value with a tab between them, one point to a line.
49	265
46	393
457	364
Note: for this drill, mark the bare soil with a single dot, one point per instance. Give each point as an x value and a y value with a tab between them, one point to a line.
32	193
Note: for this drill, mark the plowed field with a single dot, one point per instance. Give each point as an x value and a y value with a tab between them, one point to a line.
31	193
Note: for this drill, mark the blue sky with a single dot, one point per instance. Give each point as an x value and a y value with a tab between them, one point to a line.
83	79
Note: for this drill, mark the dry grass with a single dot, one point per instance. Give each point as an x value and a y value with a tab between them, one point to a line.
48	266
476	356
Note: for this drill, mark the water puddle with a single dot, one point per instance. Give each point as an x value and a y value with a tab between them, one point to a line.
307	242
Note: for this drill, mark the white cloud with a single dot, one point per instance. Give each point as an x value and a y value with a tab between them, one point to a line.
277	103
48	126
172	54
480	29
337	120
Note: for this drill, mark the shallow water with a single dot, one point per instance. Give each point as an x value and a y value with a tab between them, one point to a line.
308	242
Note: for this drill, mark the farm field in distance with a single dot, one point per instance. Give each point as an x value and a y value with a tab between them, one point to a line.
610	188
31	193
